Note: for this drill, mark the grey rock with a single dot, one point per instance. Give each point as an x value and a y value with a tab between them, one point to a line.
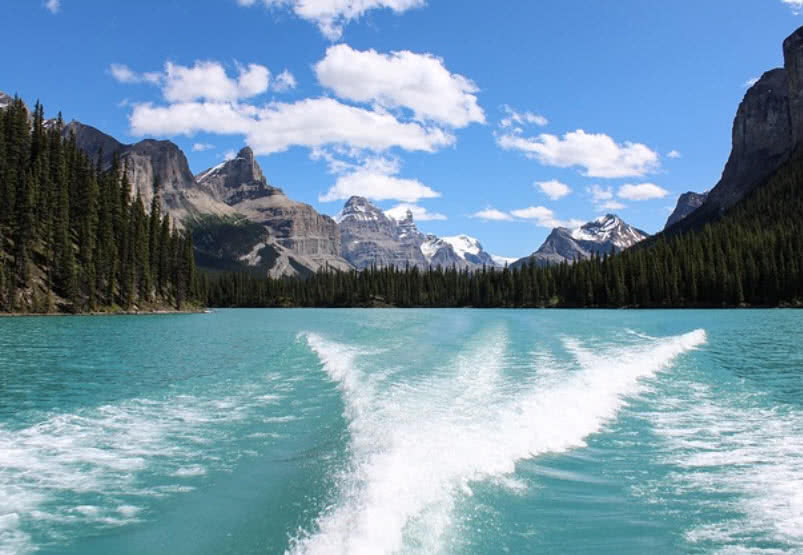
370	238
687	203
146	163
297	227
606	235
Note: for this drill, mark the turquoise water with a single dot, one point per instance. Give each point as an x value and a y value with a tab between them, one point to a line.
454	431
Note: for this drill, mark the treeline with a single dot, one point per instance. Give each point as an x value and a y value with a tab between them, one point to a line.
752	256
72	238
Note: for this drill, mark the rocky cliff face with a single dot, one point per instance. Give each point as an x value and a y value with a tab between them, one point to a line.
606	235
147	162
297	227
768	126
5	100
687	203
372	238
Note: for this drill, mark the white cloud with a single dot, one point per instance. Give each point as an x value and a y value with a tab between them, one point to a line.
796	5
514	118
53	6
284	82
229	155
753	80
377	186
674	154
419	82
125	74
610	206
544	217
201	147
599	194
642	191
554	189
277	126
597	153
331	15
208	80
420	214
492	214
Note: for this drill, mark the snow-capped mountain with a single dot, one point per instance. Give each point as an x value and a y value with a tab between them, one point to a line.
370	237
607	234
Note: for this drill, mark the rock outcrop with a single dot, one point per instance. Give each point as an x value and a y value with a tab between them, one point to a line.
767	128
687	203
372	238
146	163
606	235
240	184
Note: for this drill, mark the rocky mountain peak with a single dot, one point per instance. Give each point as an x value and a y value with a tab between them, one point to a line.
687	203
605	235
5	100
236	180
361	209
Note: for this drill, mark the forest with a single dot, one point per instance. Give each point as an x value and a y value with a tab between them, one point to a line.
73	238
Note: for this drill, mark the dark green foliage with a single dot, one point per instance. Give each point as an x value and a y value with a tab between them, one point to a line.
71	238
752	256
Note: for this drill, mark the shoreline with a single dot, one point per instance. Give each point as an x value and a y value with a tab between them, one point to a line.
101	313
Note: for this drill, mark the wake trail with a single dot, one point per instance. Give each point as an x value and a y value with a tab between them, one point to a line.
416	449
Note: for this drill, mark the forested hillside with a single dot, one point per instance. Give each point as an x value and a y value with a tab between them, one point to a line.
72	238
752	256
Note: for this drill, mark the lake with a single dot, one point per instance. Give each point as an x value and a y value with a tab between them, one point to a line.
403	431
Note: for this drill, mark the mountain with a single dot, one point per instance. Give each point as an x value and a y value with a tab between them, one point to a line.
607	234
219	203
766	130
687	203
459	251
149	161
310	238
372	238
5	100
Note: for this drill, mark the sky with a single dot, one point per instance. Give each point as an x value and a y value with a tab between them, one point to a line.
499	120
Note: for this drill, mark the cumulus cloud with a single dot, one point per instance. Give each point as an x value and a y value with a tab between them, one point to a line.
420	214
312	122
125	74
53	6
331	15
599	193
796	5
284	82
418	82
642	191
201	147
208	81
598	154
492	214
540	215
544	217
377	186
610	206
674	154
554	189
515	120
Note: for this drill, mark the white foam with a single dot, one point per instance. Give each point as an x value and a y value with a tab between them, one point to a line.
108	454
417	448
747	458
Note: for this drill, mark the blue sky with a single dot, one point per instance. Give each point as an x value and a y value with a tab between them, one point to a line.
495	119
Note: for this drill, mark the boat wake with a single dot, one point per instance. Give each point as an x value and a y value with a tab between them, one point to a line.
417	447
